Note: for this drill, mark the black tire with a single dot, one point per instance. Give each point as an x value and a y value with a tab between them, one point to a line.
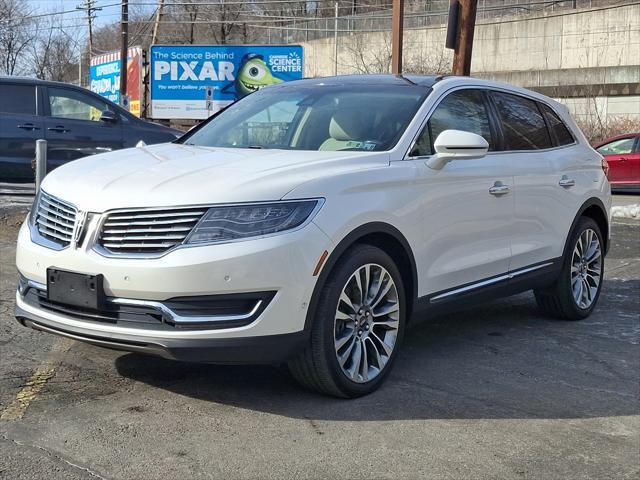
317	367
558	300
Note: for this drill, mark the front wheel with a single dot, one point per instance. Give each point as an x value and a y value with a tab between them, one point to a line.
575	294
358	326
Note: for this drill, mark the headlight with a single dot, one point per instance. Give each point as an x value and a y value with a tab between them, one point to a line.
236	222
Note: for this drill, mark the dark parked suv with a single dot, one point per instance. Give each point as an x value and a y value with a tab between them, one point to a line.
75	122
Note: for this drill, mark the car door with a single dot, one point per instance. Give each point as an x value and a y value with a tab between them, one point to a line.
548	181
467	206
621	157
74	128
20	127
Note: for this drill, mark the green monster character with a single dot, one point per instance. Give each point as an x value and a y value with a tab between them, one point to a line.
253	75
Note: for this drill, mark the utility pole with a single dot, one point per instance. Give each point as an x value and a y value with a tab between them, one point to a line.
156	25
335	41
464	37
397	16
87	6
124	47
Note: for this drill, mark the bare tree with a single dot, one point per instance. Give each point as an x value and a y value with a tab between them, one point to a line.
367	54
427	61
17	30
52	54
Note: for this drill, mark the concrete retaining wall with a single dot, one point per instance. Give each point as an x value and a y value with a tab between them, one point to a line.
584	54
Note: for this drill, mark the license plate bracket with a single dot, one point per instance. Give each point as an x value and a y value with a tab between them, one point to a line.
76	289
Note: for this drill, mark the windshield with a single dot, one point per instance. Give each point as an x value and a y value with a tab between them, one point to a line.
321	117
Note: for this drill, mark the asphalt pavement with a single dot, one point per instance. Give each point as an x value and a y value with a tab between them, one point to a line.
498	391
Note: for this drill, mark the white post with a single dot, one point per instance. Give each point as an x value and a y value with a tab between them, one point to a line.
335	42
41	162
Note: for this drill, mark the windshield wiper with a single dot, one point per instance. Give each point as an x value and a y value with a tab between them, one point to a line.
257	147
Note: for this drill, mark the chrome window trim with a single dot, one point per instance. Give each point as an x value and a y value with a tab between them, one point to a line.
166	312
96	247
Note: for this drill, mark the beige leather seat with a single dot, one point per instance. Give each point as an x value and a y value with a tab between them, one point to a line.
347	130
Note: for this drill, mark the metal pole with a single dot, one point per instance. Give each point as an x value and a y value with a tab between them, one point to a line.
124	27
80	69
41	162
396	36
335	42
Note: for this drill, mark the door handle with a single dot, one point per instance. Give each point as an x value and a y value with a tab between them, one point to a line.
566	182
499	189
58	128
622	159
28	126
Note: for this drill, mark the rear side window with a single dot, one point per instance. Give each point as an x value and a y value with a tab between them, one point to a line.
618	147
18	99
461	110
523	126
557	126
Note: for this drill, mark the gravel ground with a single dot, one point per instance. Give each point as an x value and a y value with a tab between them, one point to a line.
499	391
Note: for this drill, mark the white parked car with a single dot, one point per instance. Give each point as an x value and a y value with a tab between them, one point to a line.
311	221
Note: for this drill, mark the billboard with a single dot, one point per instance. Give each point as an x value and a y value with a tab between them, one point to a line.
195	81
104	74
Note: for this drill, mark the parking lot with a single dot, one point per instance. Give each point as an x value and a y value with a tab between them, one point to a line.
494	392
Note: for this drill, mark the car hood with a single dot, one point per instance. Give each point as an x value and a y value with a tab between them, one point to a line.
176	174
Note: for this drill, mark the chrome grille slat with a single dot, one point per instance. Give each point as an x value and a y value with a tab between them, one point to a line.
157	222
55	203
118	216
138	245
62	222
147	232
116	238
52	233
55	219
45	222
59	213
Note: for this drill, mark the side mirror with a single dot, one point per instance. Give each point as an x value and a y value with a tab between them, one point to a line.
457	145
108	116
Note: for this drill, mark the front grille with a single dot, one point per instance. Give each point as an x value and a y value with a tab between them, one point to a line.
55	219
147	231
185	312
131	316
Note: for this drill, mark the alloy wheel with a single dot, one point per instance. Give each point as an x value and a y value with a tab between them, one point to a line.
586	268
366	323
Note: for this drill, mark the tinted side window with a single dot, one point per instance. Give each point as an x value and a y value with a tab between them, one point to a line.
522	124
18	99
461	110
66	103
557	126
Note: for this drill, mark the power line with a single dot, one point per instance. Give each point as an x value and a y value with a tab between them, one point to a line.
89	7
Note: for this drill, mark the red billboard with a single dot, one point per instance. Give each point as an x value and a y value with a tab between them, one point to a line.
104	74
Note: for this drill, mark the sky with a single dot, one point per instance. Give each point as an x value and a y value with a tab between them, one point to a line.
109	13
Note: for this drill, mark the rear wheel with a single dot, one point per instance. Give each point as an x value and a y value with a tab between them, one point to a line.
357	328
575	294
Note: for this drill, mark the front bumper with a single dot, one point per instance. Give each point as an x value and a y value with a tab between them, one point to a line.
271	349
283	264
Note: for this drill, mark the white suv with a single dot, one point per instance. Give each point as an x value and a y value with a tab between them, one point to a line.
311	221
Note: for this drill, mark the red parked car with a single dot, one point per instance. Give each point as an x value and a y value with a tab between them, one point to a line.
622	153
